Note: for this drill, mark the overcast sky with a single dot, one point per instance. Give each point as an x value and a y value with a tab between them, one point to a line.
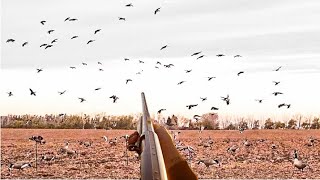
267	34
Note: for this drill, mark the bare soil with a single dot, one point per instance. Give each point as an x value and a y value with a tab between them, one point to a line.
104	161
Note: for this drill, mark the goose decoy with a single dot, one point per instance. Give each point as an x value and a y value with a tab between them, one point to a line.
181	82
156	11
128	80
241	72
113	141
129	5
191	106
209	78
25	43
71	152
32	92
19	165
10	40
161	110
200	56
226	99
50	31
188	71
42	22
214	108
163	47
278	68
209	162
276	93
86	143
67	19
96	31
60	93
43	45
49	45
90	41
10	94
280	105
48	158
39	70
196	53
237	56
73	37
298	163
247	143
63	150
72	67
232	149
203	99
81	100
220	55
122	18
97	89
259	100
53	41
276	82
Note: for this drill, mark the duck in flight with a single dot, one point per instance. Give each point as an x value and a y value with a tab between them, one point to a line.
90	41
53	41
200	56
82	100
237	56
85	64
220	55
276	82
161	110
156	11
114	97
72	67
196	53
122	18
259	100
129	5
25	43
42	22
49	45
214	108
163	47
181	82
50	31
96	31
168	66
32	92
10	40
39	70
188	71
278	68
191	106
10	94
203	99
276	93
226	99
128	80
241	72
209	78
73	37
97	89
60	93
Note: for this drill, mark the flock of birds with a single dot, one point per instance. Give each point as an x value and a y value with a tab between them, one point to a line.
115	98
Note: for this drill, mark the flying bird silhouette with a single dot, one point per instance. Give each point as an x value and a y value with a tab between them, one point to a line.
85	64
60	93
73	19
156	11
49	45
100	63
96	31
53	41
10	40
161	110
278	68
288	106
196	53
67	19
42	22
276	82
97	89
158	62
214	108
281	105
168	66
122	18
82	100
129	5
10	94
72	67
50	31
73	37
200	56
237	56
43	45
220	55
191	106
210	78
100	69
188	71
126	59
114	97
32	92
141	61
39	70
128	80
259	100
226	99
241	72
163	47
181	82
203	99
25	43
90	41
276	93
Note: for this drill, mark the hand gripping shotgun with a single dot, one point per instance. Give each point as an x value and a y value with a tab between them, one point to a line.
148	147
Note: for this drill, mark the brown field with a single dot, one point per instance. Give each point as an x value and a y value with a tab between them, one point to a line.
104	161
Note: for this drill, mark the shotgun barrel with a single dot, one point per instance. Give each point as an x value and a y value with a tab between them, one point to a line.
152	164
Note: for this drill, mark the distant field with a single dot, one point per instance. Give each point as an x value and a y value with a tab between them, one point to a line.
102	161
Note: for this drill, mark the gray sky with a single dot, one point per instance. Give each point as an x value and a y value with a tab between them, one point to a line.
268	34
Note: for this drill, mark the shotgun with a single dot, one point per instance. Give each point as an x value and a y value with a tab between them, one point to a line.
148	147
